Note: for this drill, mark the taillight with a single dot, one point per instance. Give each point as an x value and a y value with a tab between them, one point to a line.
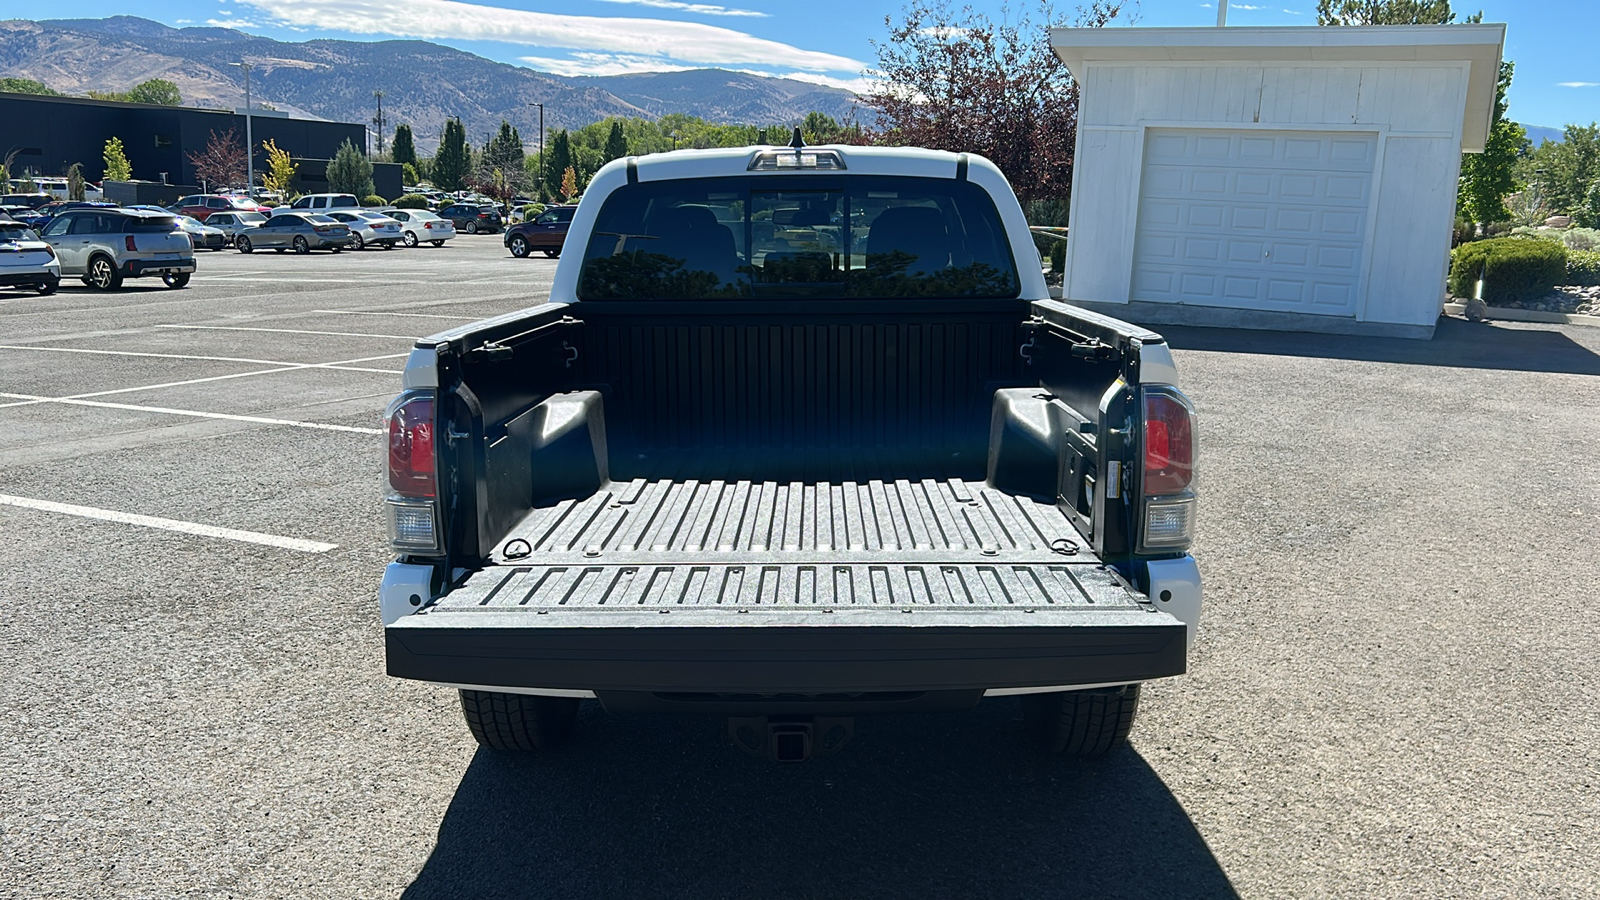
50	250
128	240
411	505
1168	449
411	449
427	224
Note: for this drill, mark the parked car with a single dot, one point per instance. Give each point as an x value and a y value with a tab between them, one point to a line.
747	523
201	235
203	206
27	215
32	200
473	218
547	232
232	223
323	202
26	261
418	225
370	227
106	246
295	230
57	207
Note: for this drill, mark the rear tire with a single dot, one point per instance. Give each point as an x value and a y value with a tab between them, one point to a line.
552	253
49	286
437	243
472	227
176	279
103	275
1082	723
518	721
301	245
244	245
357	243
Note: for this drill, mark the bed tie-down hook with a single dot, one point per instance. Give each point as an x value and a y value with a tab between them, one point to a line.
572	353
1026	350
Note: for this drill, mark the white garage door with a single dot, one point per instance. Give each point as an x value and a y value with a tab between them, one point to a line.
1269	220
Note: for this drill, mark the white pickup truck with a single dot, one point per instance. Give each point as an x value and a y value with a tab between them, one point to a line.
799	436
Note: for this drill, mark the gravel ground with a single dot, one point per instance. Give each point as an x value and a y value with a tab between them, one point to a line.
1392	695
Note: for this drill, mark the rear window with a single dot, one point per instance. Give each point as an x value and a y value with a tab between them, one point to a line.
145	224
343	200
866	237
12	231
321	220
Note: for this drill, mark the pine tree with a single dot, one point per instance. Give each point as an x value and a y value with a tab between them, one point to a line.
616	142
504	151
403	148
451	164
558	160
350	172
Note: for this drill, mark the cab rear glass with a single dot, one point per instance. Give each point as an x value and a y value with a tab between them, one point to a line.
782	237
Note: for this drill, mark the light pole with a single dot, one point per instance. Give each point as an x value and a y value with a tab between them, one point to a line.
541	150
249	137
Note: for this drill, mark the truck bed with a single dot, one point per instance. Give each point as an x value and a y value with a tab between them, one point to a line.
738	586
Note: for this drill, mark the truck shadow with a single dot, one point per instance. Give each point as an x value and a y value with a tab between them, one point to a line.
951	805
1456	342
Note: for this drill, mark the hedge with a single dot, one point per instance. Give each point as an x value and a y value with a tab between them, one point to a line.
373	200
411	201
1515	269
1583	267
1058	257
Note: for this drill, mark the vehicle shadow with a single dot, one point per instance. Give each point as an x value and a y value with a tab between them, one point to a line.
936	805
1456	342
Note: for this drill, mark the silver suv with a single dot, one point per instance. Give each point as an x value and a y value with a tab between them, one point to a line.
104	246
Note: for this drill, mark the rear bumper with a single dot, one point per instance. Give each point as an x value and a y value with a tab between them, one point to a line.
29	279
787	651
139	268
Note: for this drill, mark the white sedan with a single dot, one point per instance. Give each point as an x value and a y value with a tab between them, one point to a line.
370	227
420	225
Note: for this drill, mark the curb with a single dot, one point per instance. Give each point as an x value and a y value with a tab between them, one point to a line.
1527	315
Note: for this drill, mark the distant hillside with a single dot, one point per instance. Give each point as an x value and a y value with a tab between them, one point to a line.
1538	134
423	83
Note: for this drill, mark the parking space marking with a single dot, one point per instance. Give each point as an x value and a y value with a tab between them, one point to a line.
358	312
235	359
211	531
194	413
398	337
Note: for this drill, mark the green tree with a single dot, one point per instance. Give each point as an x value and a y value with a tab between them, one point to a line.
504	150
1565	171
26	86
1588	215
558	159
404	148
616	142
157	90
117	166
408	171
1388	12
1488	177
75	181
450	164
350	172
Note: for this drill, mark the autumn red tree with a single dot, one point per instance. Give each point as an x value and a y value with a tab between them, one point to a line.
954	79
222	163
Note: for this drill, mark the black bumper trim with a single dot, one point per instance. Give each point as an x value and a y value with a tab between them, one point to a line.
28	279
725	658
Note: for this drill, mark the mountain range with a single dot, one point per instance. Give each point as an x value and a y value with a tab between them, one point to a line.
423	83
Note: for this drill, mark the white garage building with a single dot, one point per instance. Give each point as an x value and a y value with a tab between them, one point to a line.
1299	179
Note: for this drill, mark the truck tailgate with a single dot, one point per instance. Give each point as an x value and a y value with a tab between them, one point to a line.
714	586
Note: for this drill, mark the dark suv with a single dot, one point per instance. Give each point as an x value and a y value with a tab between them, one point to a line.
473	218
547	231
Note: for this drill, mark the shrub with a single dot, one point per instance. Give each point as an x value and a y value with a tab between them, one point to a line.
1058	257
411	201
1583	267
373	200
1515	269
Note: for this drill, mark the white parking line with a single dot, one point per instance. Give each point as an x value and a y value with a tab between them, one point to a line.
236	359
212	531
357	312
231	417
398	337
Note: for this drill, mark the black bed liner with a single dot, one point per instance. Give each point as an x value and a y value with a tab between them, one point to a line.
717	586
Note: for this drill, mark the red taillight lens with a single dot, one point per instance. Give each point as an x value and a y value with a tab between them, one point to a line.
411	461
1168	444
50	250
128	240
427	224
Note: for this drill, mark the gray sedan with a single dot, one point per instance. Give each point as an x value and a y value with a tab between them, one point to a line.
298	230
232	223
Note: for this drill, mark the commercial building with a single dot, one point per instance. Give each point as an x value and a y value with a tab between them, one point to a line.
48	134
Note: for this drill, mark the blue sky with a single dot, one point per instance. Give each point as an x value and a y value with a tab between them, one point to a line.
829	41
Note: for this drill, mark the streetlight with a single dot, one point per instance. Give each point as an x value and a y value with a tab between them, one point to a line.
541	150
249	138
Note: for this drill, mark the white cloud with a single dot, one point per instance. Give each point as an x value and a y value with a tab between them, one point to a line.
704	9
853	85
580	64
674	43
1579	84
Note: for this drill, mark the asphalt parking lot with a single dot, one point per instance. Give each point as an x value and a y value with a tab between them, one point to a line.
1393	694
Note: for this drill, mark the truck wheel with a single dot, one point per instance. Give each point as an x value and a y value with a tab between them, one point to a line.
1082	723
518	721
